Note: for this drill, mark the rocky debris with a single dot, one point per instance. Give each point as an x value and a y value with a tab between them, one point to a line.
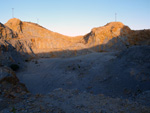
67	101
138	55
10	88
7	74
130	69
144	98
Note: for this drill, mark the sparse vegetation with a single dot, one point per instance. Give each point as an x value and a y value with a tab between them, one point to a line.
26	60
79	66
13	110
14	67
36	62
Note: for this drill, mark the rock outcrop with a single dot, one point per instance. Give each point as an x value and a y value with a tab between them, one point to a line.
15	24
113	36
116	36
9	55
6	33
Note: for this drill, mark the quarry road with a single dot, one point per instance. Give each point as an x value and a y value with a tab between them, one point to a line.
82	72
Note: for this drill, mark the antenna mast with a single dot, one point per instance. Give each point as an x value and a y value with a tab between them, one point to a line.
115	17
12	12
37	21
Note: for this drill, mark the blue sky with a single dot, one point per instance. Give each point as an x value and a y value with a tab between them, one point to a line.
77	17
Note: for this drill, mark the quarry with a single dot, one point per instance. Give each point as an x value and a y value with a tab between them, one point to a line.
104	71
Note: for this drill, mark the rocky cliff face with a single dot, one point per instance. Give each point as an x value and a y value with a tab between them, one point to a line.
33	39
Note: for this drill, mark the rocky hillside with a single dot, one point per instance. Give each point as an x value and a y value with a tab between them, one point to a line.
116	36
35	40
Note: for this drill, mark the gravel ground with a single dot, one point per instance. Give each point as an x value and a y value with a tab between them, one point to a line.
117	82
71	101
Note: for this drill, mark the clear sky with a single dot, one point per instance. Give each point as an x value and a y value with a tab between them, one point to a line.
77	17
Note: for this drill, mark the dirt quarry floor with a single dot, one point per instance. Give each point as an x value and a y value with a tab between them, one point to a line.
111	73
107	82
82	73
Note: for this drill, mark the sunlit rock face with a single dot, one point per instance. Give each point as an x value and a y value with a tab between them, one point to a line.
15	24
35	40
112	36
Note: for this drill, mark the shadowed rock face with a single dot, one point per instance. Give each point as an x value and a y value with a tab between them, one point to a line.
139	37
35	40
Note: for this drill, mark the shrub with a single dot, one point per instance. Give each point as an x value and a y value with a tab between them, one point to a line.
26	60
14	67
